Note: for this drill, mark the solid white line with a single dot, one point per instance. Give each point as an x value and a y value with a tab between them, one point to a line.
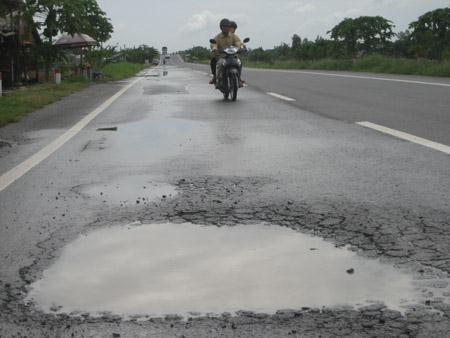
353	77
282	97
408	137
21	169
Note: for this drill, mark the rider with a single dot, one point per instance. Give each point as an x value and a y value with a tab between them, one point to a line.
223	40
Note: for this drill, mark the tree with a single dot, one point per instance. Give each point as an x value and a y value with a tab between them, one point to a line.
53	17
346	34
296	42
141	53
70	17
282	51
259	55
403	46
431	33
365	34
375	33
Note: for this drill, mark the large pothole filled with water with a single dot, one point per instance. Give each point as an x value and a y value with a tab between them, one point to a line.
162	269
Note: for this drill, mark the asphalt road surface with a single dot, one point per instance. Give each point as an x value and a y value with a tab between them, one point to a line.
416	105
81	165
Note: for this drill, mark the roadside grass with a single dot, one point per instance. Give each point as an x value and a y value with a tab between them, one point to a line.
121	70
19	102
370	64
22	101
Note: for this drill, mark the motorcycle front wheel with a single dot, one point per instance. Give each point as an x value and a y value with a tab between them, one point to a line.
226	90
234	85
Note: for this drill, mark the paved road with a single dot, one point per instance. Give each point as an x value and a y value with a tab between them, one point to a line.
416	105
257	160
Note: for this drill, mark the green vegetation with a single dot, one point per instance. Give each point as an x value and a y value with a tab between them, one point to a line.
22	101
121	70
44	20
366	44
371	63
27	99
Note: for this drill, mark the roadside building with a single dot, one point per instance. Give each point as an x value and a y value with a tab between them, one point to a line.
17	63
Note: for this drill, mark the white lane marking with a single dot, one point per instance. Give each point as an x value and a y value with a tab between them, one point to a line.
282	97
21	169
408	137
354	77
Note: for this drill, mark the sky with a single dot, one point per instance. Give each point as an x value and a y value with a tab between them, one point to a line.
182	24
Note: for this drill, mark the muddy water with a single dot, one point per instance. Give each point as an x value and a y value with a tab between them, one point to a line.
180	268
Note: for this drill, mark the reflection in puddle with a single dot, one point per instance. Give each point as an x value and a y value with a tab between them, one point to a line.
181	268
129	190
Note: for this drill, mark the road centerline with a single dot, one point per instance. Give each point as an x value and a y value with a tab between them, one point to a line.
21	169
407	137
282	97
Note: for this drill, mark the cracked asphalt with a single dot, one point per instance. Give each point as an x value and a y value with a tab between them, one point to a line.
256	160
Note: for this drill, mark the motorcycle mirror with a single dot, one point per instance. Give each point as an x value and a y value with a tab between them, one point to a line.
212	41
246	40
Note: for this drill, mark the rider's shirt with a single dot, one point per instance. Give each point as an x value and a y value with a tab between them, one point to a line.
223	41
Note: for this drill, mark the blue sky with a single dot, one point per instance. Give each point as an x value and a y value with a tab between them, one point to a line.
181	24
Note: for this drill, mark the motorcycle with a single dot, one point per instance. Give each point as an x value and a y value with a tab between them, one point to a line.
228	80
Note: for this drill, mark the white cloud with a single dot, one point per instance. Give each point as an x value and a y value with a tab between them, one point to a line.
201	21
348	13
305	8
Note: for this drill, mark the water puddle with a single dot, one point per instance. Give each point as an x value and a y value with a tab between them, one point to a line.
158	89
180	269
157	139
128	190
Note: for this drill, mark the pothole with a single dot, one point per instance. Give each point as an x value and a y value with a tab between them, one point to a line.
128	190
162	269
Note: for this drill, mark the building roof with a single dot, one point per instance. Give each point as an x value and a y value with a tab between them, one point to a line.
75	41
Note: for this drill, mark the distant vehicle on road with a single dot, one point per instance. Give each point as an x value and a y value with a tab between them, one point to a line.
155	62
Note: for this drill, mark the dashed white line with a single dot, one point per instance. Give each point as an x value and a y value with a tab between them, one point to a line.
407	137
12	175
282	97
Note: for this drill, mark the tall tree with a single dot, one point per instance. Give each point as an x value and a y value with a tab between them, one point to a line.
296	42
374	33
364	34
53	17
346	34
431	33
70	17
